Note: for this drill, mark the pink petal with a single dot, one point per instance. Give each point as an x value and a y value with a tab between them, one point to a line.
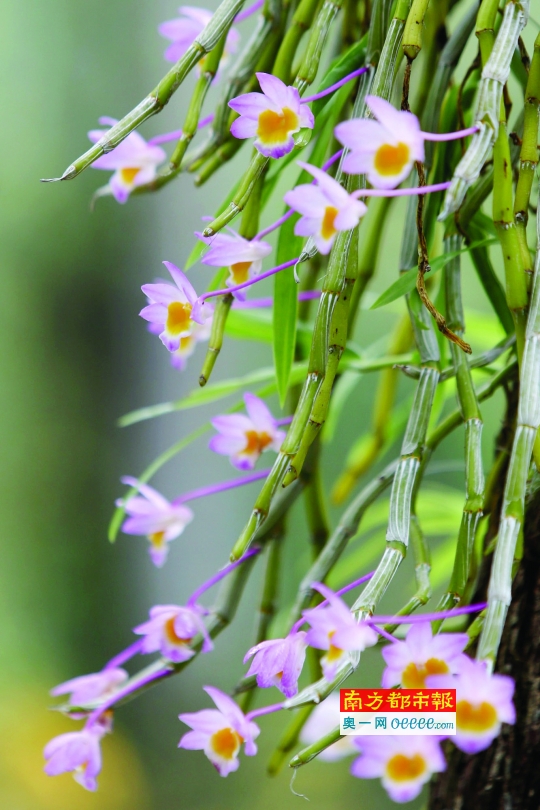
244	128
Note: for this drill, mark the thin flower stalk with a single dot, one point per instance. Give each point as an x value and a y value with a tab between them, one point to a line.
154	102
494	76
512	512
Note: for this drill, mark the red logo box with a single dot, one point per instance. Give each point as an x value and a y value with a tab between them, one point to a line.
397	700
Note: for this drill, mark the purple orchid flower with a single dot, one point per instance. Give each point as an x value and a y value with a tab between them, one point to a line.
403	763
278	662
244	438
183	30
386	149
420	655
271	117
170	631
134	162
87	688
326	208
220	732
171	308
483	703
242	256
79	752
334	628
152	515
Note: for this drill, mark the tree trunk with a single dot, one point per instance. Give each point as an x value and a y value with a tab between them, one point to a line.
507	775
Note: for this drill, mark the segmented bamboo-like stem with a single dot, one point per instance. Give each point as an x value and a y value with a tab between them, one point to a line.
154	102
337	339
512	513
412	36
422	570
307	754
248	228
494	76
517	295
289	739
468	402
366	450
528	157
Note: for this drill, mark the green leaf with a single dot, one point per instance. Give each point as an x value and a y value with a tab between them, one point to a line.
250	325
214	392
407	282
285	309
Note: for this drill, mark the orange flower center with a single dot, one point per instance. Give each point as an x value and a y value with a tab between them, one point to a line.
275	127
186	342
414	675
479	717
157	539
129	175
256	442
226	742
328	228
240	271
178	317
333	653
401	768
171	634
391	160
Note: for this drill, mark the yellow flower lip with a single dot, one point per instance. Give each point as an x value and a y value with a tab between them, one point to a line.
178	317
226	743
414	675
391	160
328	228
240	271
128	175
275	127
401	768
475	718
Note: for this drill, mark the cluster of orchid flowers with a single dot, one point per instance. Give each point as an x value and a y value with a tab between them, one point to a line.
383	148
404	764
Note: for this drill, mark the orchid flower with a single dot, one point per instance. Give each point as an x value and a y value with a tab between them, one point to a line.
271	117
386	149
242	256
278	662
87	688
326	208
153	515
220	732
134	162
403	763
334	628
244	438
170	631
183	30
483	703
171	308
420	655
79	752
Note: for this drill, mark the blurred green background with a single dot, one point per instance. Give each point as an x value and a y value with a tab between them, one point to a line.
76	357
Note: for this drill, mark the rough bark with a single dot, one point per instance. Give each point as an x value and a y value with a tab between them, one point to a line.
507	775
